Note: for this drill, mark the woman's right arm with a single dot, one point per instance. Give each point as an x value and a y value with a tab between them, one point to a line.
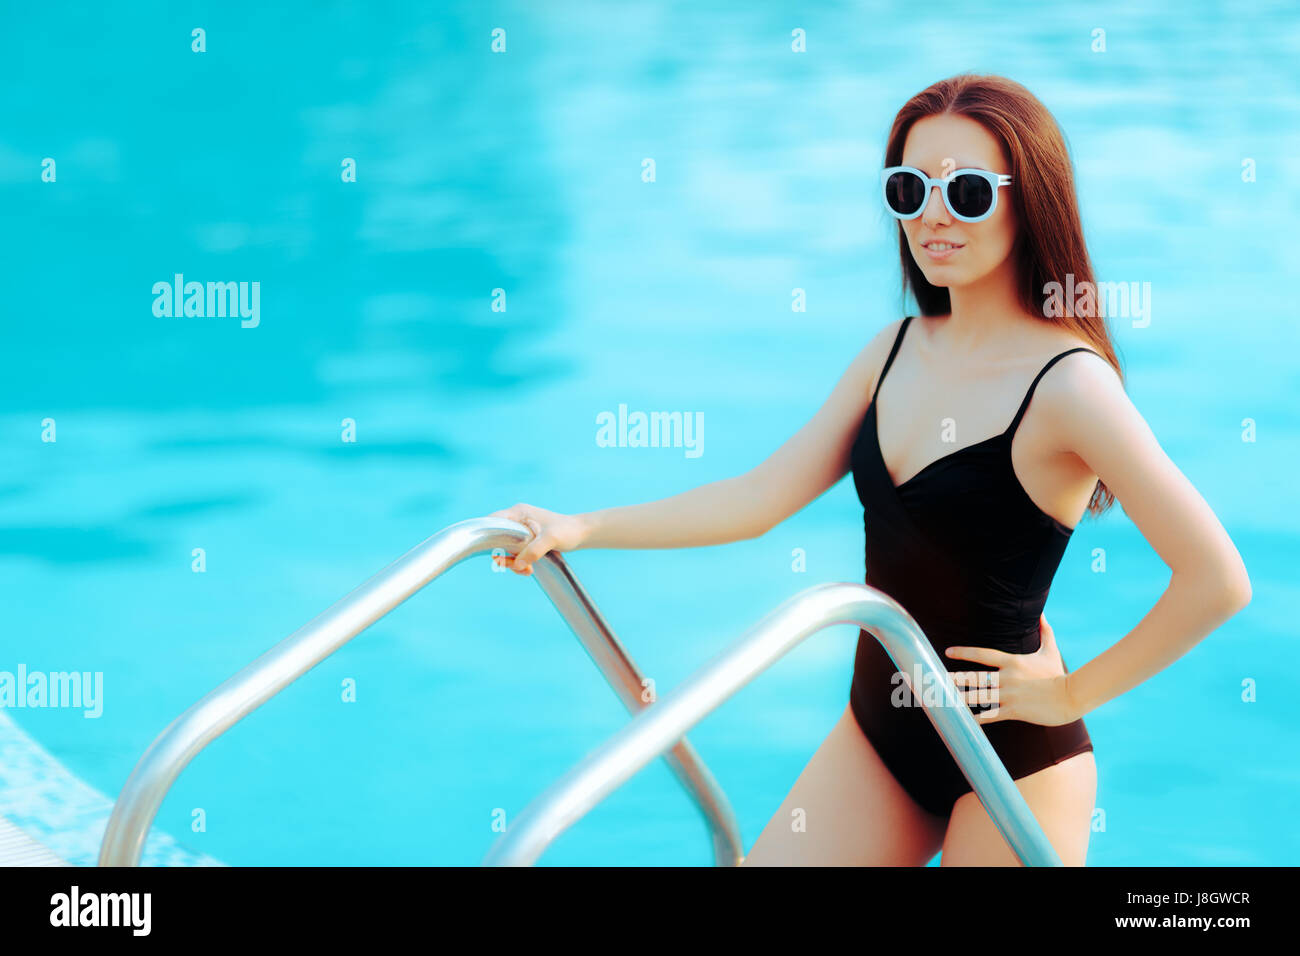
731	509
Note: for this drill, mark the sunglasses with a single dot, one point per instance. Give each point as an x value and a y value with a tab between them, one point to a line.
971	195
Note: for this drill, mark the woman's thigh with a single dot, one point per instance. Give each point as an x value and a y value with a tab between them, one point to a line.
846	809
1061	797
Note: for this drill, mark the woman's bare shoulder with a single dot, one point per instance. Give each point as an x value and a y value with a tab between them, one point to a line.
871	360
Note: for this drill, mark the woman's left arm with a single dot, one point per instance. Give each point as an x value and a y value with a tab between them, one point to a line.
1208	584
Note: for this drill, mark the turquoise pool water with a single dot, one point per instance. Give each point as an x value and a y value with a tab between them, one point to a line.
521	171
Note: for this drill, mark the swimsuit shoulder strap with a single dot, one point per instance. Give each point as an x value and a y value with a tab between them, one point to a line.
898	340
1043	371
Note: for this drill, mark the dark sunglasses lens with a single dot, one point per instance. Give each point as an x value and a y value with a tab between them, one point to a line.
904	192
970	195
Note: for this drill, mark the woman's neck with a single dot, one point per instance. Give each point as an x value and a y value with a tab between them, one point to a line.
985	315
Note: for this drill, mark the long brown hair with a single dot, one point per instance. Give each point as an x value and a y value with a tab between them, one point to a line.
1049	245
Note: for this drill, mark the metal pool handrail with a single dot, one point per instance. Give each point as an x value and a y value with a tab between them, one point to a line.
188	734
654	730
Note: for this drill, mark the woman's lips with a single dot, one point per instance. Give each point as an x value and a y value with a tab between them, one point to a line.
937	255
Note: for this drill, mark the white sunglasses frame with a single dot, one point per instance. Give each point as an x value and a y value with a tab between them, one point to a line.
994	179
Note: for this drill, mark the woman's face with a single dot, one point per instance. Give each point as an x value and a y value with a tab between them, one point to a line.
937	145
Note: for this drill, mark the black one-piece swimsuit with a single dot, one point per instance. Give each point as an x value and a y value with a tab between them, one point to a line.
967	552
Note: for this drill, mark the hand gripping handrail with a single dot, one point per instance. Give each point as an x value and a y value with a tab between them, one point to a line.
654	730
188	734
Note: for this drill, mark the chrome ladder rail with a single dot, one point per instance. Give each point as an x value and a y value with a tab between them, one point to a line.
182	740
654	730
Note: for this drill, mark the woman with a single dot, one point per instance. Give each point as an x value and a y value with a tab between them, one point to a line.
966	535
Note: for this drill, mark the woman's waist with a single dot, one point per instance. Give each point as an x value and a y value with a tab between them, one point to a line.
1015	631
977	615
941	636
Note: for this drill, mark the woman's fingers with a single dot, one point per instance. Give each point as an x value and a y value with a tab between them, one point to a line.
534	549
978	687
548	532
516	512
980	655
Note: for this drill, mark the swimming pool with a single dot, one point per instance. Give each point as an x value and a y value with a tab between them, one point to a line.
522	171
